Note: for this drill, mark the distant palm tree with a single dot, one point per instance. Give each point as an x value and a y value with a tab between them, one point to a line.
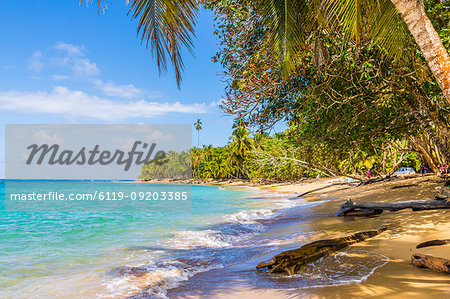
168	26
240	146
198	127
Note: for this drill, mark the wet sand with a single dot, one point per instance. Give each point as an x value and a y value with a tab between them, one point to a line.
383	268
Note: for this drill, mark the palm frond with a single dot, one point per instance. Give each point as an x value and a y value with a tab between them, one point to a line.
347	15
387	28
285	20
102	5
166	26
379	18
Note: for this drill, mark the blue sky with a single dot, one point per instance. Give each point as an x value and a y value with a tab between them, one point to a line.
65	63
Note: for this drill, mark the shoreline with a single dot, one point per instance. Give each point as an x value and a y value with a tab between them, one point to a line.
398	278
220	256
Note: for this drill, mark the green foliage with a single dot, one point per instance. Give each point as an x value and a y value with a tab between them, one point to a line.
349	106
275	158
340	97
173	165
212	163
240	147
439	13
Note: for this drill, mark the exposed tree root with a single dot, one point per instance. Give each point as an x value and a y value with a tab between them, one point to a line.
435	264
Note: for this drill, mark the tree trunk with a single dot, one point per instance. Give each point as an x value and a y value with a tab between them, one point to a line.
425	152
440	145
426	37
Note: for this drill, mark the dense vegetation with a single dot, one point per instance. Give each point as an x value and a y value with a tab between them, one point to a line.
350	106
274	158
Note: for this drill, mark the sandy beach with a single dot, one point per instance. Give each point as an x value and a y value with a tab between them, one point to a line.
387	256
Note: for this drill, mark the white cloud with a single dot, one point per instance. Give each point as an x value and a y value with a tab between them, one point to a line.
75	103
128	91
34	63
75	59
83	67
72	50
60	77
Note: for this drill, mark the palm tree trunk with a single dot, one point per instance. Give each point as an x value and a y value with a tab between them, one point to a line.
198	138
419	25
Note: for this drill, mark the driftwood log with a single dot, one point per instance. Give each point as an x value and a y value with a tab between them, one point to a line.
435	264
290	262
433	243
351	208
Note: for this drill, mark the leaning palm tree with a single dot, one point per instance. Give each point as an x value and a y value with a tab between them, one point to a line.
168	26
198	126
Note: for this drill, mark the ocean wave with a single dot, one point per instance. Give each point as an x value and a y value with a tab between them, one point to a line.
152	280
249	216
268	195
217	245
228	232
233	228
350	266
204	238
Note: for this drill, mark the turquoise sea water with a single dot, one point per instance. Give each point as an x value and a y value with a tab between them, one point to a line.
213	242
103	254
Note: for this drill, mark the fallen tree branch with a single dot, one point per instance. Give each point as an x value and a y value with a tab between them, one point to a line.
377	180
290	262
354	184
433	243
435	264
350	207
268	159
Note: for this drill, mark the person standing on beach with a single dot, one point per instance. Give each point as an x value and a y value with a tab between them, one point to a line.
422	169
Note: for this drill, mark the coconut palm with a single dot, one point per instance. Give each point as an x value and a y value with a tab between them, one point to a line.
168	26
240	147
198	126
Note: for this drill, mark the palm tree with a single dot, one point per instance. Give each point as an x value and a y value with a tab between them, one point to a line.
168	26
240	146
198	127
